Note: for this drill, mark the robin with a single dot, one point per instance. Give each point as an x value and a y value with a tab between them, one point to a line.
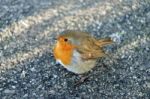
78	51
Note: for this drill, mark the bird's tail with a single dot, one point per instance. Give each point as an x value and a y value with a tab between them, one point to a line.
103	42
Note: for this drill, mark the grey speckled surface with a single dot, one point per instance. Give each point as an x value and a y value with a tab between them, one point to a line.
28	69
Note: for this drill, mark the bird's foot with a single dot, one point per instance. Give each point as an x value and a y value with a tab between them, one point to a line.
81	80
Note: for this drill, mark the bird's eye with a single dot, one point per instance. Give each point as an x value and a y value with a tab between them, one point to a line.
65	39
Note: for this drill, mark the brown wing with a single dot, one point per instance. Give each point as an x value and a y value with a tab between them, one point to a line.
91	48
103	42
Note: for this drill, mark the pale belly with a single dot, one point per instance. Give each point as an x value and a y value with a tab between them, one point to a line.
78	65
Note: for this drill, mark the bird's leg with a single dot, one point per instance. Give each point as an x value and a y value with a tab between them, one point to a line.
83	79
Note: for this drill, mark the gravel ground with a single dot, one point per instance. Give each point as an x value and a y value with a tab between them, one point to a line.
28	69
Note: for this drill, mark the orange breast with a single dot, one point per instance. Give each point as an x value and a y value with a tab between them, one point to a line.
63	53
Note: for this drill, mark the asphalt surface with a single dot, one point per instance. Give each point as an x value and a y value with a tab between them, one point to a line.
27	66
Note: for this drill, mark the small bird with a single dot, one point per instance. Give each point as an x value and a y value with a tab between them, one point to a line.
78	51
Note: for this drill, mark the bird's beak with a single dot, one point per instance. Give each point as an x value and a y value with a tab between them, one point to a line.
54	38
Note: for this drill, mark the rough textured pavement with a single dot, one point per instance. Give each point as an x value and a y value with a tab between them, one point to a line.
28	69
